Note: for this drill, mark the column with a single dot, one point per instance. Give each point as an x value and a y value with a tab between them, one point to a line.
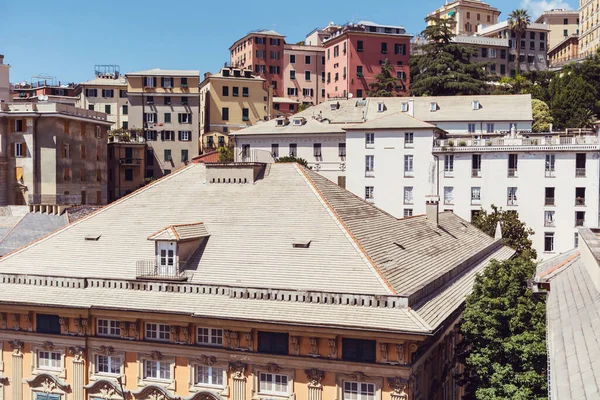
315	388
239	380
78	371
17	369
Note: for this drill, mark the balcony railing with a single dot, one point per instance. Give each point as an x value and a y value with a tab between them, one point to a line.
54	199
448	173
512	202
476	173
550	173
580	172
549	223
580	201
369	173
549	201
151	269
579	221
457	144
130	161
512	172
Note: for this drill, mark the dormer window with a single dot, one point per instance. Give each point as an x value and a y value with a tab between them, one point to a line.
280	121
476	105
433	106
334	106
404	107
299	121
380	107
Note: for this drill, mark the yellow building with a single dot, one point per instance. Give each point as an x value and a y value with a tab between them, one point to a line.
231	100
468	15
292	288
562	24
589	27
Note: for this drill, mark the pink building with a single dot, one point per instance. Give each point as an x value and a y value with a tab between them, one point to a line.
304	73
354	54
261	51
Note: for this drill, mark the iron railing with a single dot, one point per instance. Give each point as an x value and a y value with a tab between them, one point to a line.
579	221
580	201
130	161
512	172
476	173
549	201
151	269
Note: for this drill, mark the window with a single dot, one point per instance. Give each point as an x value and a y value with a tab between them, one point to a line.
336	51
107	109
293	149
235	91
149	81
208	375
580	159
408	195
166	82
359	93
476	195
369	193
549	218
49	360
579	218
275	150
19	149
369	166
245	114
245	92
476	165
471	128
245	151
167	118
185	136
383	48
91	107
359	391
400	49
317	150
360	46
66	150
184	155
168	136
512	165
91	92
408	212
433	107
167	100
125	110
370	140
549	242
492	53
292	58
273	342
359	71
225	90
108	364
490	128
409	165
107	327
342	150
580	196
292	91
358	350
155	369
512	196
449	165
307	59
156	331
167	155
260	54
275	384
307	75
550	165
150	118
549	196
225	114
209	336
184	101
307	92
448	195
47	323
122	93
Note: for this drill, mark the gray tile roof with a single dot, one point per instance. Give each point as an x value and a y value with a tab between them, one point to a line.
310	126
30	228
181	232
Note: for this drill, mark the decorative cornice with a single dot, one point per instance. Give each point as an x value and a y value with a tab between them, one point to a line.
77	352
16	346
48	383
104	388
314	376
154	392
206	360
237	370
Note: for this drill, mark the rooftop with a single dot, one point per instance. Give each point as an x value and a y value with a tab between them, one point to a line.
165	72
557	13
504	25
120	81
480	40
52	109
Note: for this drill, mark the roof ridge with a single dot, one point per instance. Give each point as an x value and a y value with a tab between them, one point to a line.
567	261
353	238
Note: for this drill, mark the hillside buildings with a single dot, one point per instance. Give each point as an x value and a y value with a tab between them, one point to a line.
304	73
185	304
45	90
231	100
106	93
164	104
469	15
4	81
589	28
490	50
52	156
562	24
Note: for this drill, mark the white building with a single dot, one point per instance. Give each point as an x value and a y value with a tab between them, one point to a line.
471	151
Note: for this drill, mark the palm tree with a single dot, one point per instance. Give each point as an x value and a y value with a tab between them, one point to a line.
518	20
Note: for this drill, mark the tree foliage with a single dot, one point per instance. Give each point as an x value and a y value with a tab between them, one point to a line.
225	154
514	232
573	100
386	84
541	116
504	330
518	20
292	159
441	67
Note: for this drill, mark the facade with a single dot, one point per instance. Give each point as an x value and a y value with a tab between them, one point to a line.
261	51
589	28
534	45
564	52
230	100
494	51
126	165
4	81
47	90
354	54
469	15
304	73
562	24
221	316
164	104
283	106
52	156
107	94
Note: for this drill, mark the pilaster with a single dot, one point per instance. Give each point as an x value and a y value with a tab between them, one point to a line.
17	369
315	388
239	380
78	371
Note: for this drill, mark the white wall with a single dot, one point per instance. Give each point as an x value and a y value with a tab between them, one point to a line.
461	128
331	165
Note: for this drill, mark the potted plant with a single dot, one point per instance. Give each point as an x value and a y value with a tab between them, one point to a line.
451	143
462	143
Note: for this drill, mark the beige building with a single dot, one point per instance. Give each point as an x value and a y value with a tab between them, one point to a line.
165	105
126	165
493	51
469	15
231	100
52	156
4	80
562	24
107	94
589	27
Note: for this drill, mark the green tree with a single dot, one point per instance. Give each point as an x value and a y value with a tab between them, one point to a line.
504	335
303	106
541	116
514	232
573	97
518	20
386	84
292	159
441	67
225	154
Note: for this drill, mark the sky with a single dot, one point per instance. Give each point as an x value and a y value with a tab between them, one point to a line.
66	38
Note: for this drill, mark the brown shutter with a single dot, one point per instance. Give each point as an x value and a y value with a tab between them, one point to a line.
64	151
12	149
24	125
24	149
83	151
11	125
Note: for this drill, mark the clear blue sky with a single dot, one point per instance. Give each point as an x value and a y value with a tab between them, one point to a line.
66	38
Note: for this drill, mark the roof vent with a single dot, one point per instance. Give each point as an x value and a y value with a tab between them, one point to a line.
301	244
380	106
334	106
92	238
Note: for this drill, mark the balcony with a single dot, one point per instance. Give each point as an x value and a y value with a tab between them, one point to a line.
549	201
579	221
550	173
580	172
549	223
539	143
130	161
54	199
151	270
512	202
476	173
369	173
449	173
580	201
512	172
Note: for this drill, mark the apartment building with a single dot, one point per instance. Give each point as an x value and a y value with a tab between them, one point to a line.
493	51
589	27
355	53
164	104
231	100
126	165
562	24
44	89
534	45
261	51
304	73
468	15
284	107
4	80
177	302
565	51
52	156
106	93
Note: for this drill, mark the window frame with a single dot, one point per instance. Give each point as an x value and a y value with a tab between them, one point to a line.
111	331
110	365
50	352
211	335
157	332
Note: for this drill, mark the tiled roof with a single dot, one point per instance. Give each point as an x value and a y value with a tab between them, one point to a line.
392	121
310	126
29	228
181	232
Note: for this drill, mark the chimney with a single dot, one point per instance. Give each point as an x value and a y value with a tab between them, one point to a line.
432	209
411	107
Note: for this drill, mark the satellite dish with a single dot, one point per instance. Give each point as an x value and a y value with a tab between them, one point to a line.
350	95
44	98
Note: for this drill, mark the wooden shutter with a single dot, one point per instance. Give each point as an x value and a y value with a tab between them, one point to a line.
162	136
144	81
155	82
189	118
64	151
24	149
179	117
172	136
11	125
180	136
83	151
12	149
19	173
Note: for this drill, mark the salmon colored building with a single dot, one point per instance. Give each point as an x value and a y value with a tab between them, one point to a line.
355	52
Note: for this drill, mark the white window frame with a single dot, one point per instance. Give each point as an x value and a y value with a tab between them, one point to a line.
185	118
212	372
409	165
409	139
380	107
150	81
550	165
369	193
476	105
150	118
408	212
112	360
108	327
475	194
273	384
370	140
369	165
154	331
408	195
47	363
511	196
214	336
168	82
547	235
449	165
19	149
357	395
549	218
185	136
492	53
448	195
158	367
